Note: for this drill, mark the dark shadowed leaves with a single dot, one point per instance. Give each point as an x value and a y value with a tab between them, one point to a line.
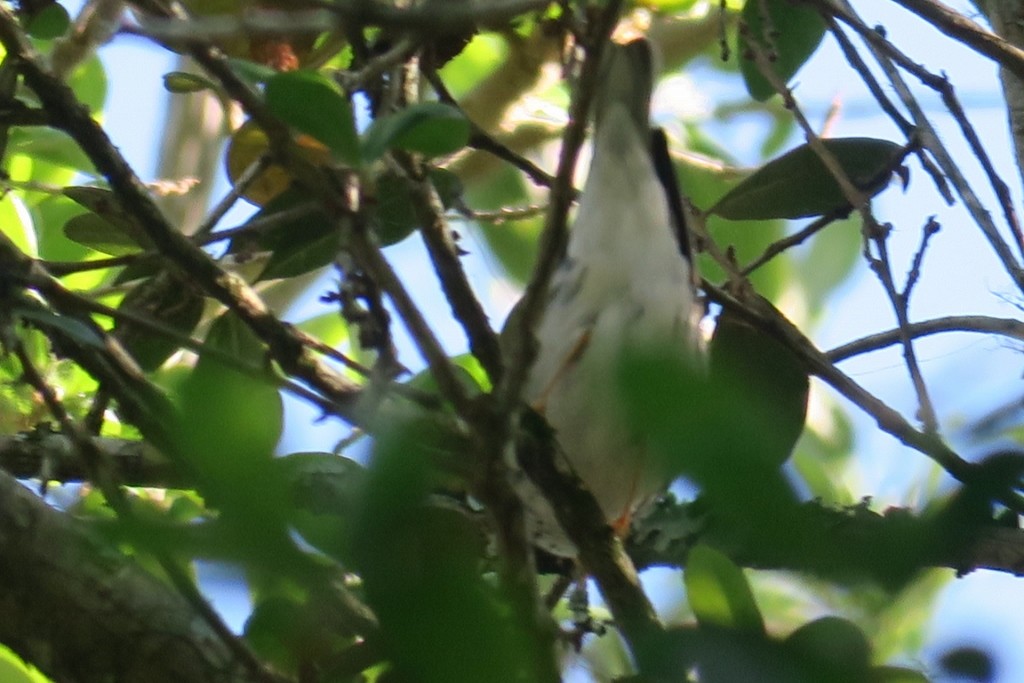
440	620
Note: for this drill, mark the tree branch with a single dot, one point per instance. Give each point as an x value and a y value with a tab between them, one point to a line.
114	618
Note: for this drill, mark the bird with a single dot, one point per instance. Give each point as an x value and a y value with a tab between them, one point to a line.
626	283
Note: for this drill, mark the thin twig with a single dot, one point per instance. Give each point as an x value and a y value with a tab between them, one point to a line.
886	53
882	267
1007	327
437	238
956	25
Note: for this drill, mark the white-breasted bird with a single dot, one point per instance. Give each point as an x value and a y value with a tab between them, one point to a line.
626	284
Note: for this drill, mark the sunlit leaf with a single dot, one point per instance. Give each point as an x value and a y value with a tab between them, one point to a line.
795	32
14	670
248	144
798	184
718	592
17	225
50	145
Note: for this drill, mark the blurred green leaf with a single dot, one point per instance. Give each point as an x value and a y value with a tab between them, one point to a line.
440	620
77	330
180	82
252	72
330	328
17	225
165	298
794	32
702	183
514	244
96	232
798	185
231	422
50	22
324	492
315	248
14	670
103	203
763	376
429	128
298	244
314	105
718	592
49	145
89	81
832	649
829	262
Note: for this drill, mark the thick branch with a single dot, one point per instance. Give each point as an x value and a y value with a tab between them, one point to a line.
64	586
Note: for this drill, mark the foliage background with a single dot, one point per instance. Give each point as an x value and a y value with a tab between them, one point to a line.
881	468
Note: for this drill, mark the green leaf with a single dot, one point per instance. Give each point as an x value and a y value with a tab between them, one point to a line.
48	23
719	593
77	330
314	105
831	646
253	72
89	81
330	328
429	128
325	490
460	629
164	298
49	145
394	217
185	82
14	670
315	248
764	377
798	185
104	203
98	233
16	223
230	422
514	244
794	33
